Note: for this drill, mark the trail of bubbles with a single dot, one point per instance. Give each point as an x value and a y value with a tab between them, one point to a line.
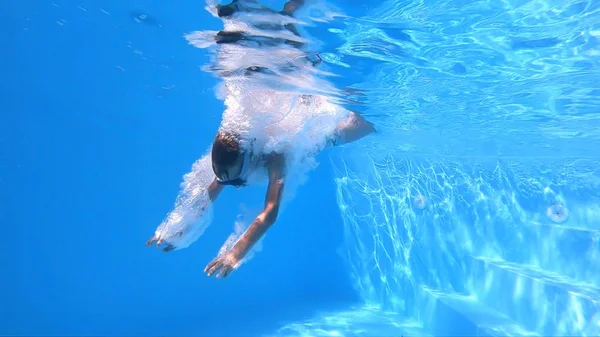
240	226
274	97
192	212
276	100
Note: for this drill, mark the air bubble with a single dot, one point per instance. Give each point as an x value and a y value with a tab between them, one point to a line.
419	201
557	213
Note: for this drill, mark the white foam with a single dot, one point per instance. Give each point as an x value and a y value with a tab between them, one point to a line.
283	122
193	210
240	226
292	113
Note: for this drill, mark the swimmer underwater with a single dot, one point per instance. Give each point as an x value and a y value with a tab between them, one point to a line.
233	160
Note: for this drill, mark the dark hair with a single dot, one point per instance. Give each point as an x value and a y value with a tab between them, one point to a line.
226	155
227	10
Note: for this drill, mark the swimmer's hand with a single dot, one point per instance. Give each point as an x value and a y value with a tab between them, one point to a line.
224	264
168	247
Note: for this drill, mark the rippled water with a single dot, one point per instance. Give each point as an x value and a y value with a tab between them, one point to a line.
276	100
257	46
483	77
489	111
474	209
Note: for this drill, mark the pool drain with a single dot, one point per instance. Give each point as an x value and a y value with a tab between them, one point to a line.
419	201
557	213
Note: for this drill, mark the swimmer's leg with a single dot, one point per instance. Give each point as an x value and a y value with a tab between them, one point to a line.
351	129
291	6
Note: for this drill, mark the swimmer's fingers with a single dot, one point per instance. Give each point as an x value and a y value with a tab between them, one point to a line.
223	264
213	266
151	241
169	247
225	271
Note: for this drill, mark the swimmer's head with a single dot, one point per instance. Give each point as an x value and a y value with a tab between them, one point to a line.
229	160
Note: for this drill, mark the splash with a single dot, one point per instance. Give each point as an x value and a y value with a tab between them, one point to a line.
270	88
192	212
285	104
275	99
240	226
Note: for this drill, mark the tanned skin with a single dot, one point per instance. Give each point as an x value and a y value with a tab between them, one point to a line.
349	130
226	263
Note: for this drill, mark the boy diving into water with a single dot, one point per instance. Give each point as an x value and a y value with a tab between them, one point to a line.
234	160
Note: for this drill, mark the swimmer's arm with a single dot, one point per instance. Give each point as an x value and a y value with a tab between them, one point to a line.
275	166
214	189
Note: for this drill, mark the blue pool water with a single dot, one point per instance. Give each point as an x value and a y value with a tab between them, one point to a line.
474	210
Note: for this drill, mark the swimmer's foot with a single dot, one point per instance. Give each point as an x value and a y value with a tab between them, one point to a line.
168	247
224	264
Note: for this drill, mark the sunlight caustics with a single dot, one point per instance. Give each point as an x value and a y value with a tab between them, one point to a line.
477	208
506	76
483	250
367	321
